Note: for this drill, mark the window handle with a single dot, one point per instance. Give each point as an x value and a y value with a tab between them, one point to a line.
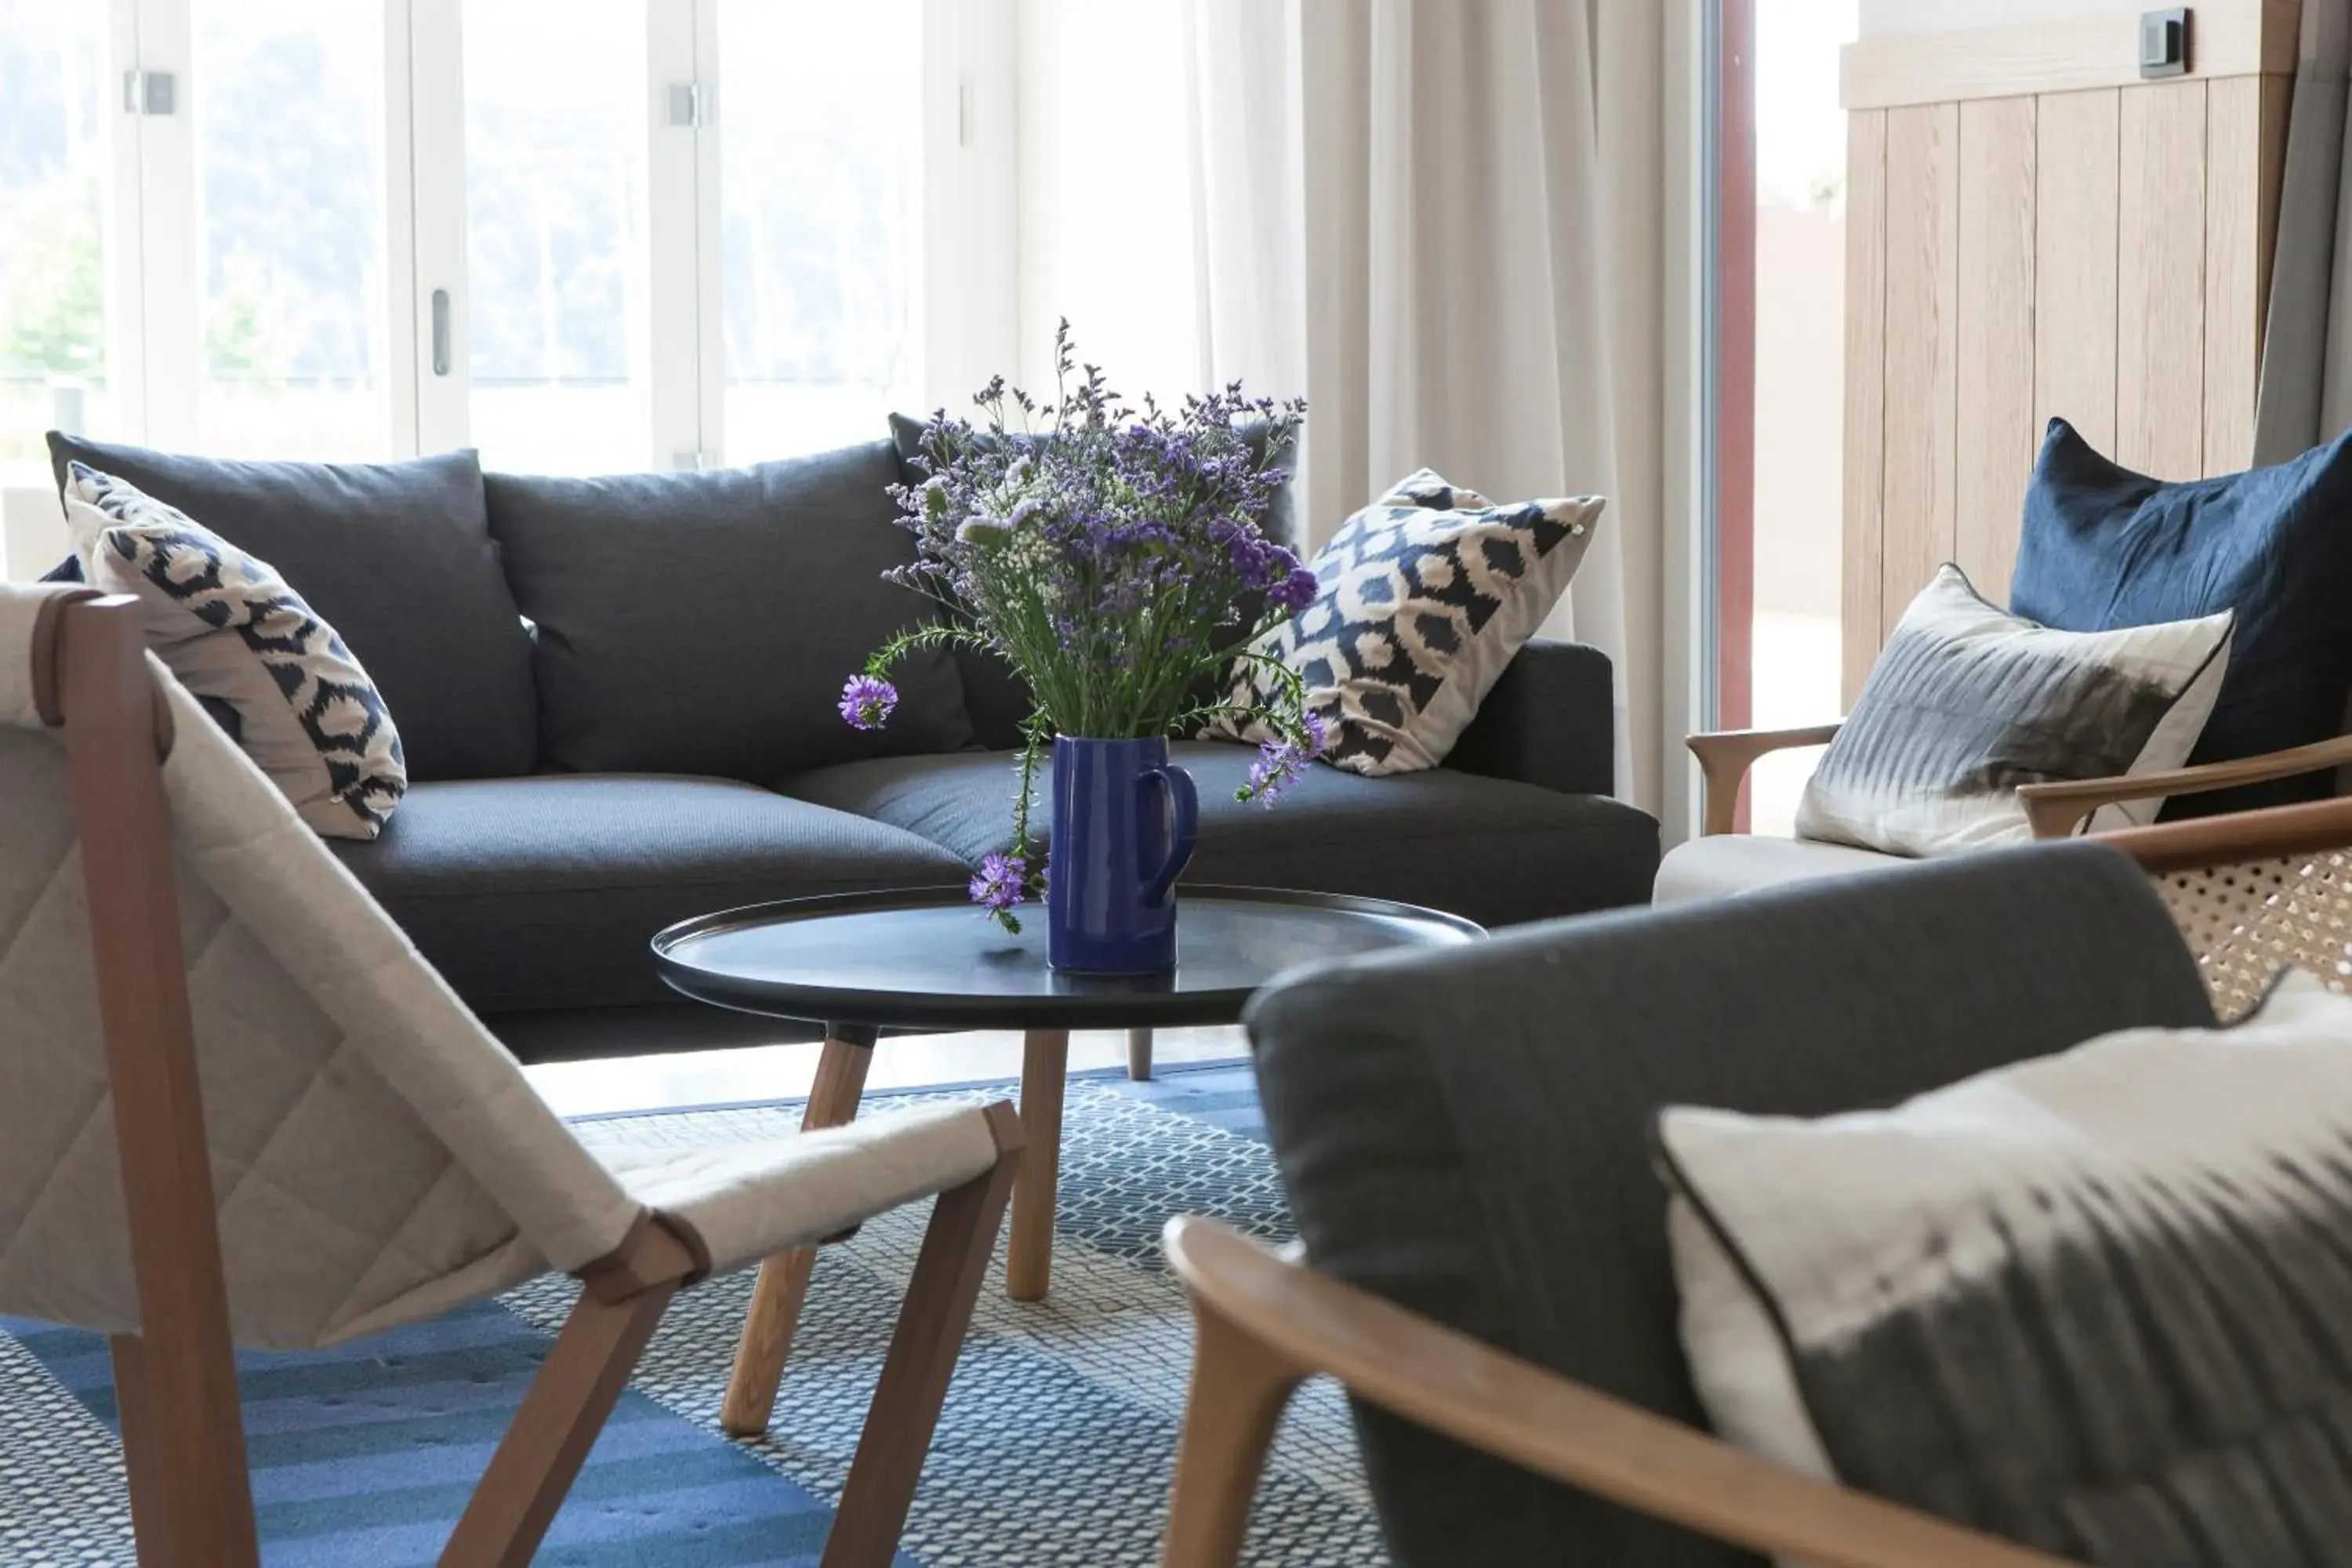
440	332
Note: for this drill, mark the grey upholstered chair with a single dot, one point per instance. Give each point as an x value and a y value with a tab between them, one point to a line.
1465	1141
240	1108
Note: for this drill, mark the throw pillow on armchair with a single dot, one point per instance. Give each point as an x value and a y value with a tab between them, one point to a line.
2104	548
1966	703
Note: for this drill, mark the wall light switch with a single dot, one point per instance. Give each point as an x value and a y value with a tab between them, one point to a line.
2163	42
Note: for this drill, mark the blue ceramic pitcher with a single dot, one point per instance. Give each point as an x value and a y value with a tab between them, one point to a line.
1124	825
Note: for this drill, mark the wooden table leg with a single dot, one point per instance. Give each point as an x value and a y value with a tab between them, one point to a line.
1138	1054
783	1279
1029	1258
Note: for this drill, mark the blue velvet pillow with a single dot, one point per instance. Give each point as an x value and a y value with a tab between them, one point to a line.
2104	547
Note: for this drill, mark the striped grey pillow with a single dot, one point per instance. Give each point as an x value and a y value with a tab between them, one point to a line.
1967	701
2099	1303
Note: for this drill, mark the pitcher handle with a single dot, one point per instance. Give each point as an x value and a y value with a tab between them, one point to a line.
1184	827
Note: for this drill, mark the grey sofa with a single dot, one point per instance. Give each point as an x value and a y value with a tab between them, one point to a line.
1467	1134
617	696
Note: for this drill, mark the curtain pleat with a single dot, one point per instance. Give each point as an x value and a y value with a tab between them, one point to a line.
1406	210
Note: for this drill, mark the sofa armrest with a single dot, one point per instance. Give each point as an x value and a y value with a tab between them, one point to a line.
1552	720
1267	1320
1725	757
2055	810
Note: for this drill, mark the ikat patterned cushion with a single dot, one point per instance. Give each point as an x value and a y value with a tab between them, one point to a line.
1421	601
228	627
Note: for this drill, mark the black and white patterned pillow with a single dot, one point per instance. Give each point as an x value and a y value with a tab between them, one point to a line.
230	628
1967	701
1422	600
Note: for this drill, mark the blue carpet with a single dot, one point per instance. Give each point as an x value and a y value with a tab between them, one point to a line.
365	1455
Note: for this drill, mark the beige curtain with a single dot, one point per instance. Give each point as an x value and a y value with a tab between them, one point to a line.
2306	385
1440	219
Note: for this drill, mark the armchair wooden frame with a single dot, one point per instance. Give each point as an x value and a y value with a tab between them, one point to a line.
2052	810
2251	891
182	1434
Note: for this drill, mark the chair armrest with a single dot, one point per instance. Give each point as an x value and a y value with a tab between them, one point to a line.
1552	720
1725	757
1469	1391
2055	810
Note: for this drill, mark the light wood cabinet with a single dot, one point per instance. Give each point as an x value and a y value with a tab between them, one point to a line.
2032	230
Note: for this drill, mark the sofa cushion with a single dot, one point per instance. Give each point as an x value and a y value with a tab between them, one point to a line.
704	623
1422	600
543	893
397	558
1492	850
1723	863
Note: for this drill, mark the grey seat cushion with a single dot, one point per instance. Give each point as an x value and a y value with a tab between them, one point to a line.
543	893
1468	1133
704	623
1491	849
397	558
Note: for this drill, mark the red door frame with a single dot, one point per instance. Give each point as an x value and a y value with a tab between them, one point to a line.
1735	370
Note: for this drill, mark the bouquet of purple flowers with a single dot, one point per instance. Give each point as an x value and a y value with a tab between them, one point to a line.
1119	560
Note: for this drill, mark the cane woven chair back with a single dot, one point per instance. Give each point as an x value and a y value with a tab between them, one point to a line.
2256	894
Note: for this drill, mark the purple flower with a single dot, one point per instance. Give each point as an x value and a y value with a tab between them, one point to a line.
1296	592
1280	763
1002	882
866	701
1319	734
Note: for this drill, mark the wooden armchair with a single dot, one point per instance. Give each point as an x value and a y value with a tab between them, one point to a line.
172	934
2056	810
2247	893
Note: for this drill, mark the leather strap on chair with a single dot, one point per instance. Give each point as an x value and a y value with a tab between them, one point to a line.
49	646
659	1246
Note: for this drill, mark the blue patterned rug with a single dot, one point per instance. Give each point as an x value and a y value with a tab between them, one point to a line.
1055	1447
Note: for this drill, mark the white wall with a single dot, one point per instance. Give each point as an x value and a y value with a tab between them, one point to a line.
1879	16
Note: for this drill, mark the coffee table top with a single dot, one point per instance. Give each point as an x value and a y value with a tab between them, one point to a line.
928	959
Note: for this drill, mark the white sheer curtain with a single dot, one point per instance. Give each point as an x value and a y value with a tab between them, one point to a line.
1405	209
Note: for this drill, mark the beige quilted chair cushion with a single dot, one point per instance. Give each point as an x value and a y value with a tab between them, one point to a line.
377	1156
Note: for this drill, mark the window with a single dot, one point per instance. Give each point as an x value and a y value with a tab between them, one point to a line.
820	214
286	100
53	154
554	217
554	229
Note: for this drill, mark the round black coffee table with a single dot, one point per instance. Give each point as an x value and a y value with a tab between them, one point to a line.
926	960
